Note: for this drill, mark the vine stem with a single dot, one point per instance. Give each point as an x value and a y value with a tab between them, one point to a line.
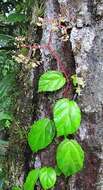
55	55
53	52
59	62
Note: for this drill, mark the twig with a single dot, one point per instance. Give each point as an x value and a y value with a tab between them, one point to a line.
55	55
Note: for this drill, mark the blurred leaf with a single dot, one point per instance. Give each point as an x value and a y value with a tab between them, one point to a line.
6	40
2	18
2	142
16	188
5	116
3	147
58	171
6	84
7	91
16	17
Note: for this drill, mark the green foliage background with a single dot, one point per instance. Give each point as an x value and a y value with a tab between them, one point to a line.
10	27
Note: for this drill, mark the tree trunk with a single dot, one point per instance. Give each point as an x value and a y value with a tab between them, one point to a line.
81	54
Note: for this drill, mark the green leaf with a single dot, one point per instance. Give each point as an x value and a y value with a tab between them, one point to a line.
5	143
51	81
16	17
67	117
31	180
16	188
3	147
75	80
5	116
6	84
58	171
70	157
8	92
41	134
2	18
6	40
47	177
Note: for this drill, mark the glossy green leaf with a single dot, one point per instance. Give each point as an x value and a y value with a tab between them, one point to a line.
41	134
67	117
70	157
16	17
47	177
31	179
51	81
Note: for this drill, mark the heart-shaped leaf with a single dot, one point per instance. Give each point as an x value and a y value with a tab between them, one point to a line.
70	157
41	134
47	177
67	117
51	81
31	179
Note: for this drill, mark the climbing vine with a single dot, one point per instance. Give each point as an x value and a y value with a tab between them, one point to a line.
66	121
66	117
